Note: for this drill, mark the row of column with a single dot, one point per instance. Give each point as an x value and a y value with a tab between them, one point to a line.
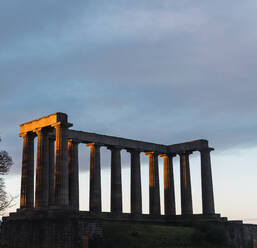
154	190
185	184
57	178
52	171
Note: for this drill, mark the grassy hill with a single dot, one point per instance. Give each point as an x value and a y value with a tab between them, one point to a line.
155	236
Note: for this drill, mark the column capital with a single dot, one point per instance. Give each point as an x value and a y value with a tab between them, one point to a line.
93	145
168	155
185	153
61	124
152	154
131	150
73	141
206	149
115	148
27	134
39	130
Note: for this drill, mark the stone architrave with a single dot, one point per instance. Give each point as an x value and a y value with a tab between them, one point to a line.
185	181
207	187
61	182
95	201
169	191
73	165
42	170
135	177
116	186
27	177
154	187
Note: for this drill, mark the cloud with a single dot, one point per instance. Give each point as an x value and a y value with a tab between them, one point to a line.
164	71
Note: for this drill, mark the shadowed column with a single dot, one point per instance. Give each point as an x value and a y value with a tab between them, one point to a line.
135	177
154	188
207	187
116	186
73	174
61	181
95	202
51	170
185	181
169	192
27	177
42	174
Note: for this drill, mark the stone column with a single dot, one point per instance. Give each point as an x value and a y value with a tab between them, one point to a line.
73	165
51	170
95	201
185	181
116	186
135	177
27	174
207	187
169	192
154	188
61	166
42	173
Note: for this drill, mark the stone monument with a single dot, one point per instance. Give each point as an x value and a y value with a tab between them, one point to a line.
49	215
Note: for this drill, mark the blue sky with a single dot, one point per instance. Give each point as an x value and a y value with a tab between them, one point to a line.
166	72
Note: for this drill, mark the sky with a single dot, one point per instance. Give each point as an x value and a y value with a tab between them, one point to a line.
159	71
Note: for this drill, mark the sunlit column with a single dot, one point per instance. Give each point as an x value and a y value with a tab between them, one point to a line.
51	170
61	182
185	181
116	186
95	202
135	177
154	188
42	173
27	174
207	187
169	192
73	165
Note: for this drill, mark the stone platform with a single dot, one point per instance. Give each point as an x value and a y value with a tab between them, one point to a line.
65	228
49	229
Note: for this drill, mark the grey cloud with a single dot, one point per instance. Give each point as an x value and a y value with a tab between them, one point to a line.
164	72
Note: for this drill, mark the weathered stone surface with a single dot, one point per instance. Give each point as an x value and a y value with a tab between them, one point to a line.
116	186
185	182
45	121
135	185
154	187
51	199
194	145
206	178
27	174
95	200
73	165
169	191
48	229
86	137
42	170
61	167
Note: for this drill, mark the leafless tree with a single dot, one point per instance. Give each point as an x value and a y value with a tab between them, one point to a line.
6	200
